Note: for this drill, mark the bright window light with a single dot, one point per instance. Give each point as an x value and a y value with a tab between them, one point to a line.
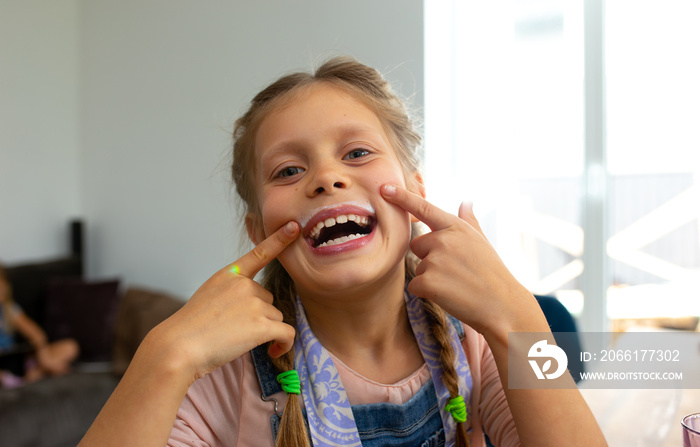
506	128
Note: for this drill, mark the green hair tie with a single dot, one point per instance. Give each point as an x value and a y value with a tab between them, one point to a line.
458	408
290	381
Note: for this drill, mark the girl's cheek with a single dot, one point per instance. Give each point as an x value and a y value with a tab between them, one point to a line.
275	214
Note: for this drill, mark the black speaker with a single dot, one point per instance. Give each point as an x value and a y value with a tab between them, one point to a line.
76	238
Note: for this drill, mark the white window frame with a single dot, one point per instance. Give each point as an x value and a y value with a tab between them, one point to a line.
439	132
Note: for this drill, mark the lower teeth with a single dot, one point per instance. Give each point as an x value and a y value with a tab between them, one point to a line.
340	240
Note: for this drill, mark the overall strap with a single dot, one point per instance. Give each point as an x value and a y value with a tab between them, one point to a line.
267	377
266	371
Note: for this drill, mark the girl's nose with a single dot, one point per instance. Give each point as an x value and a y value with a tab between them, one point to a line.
326	180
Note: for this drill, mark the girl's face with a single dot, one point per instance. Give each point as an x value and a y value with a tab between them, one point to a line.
320	161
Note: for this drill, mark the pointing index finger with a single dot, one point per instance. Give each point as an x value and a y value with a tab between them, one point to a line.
425	211
263	253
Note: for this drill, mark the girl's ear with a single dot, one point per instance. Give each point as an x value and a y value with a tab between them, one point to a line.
253	224
417	186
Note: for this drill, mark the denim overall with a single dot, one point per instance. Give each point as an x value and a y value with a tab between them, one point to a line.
416	423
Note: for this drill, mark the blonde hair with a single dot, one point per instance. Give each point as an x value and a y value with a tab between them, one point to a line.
6	304
367	85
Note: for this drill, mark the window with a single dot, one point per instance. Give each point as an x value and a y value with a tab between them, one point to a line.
572	126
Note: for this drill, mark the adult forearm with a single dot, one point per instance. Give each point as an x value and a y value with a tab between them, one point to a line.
143	407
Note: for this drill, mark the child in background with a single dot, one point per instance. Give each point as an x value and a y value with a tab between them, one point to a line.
382	336
45	359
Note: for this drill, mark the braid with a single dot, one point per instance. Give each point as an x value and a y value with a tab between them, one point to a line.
292	432
292	429
439	325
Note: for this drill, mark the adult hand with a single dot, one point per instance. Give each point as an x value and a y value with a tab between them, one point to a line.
459	269
230	313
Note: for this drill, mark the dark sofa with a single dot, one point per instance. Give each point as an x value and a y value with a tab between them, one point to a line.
107	323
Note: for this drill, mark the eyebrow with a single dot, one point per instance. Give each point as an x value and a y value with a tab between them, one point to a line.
285	147
345	131
371	133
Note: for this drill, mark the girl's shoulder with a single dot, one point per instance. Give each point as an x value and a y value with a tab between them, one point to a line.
236	378
476	349
238	383
225	402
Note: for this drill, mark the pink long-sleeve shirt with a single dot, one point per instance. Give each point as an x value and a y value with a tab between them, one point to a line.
225	407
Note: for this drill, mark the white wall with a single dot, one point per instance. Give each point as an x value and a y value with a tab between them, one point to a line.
162	82
39	150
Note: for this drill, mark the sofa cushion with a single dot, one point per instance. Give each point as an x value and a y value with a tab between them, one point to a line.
55	412
85	311
30	283
140	311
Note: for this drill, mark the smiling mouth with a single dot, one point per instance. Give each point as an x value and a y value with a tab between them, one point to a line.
340	229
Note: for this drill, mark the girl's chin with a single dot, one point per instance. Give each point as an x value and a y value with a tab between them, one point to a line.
347	266
337	278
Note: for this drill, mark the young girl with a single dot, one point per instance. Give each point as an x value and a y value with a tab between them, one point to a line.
43	358
365	333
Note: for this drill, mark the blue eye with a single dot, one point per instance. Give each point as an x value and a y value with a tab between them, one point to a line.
356	153
289	172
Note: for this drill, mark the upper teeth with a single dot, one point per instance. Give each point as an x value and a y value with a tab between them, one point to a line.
343	218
